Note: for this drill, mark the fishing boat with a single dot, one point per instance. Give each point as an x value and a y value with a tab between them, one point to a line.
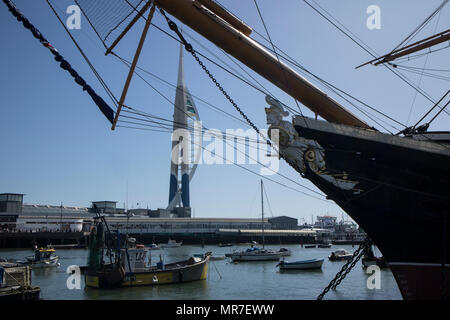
383	180
301	265
254	253
171	244
131	266
340	255
43	258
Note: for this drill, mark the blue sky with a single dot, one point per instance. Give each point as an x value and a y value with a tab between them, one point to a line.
56	146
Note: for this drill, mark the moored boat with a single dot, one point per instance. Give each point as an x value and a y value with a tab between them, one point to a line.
255	254
301	265
43	258
369	259
131	266
225	244
259	254
153	246
340	255
171	244
284	252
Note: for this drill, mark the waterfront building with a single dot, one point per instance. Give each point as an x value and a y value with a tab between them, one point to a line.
325	222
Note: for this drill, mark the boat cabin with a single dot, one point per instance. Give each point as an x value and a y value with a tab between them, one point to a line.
138	259
43	254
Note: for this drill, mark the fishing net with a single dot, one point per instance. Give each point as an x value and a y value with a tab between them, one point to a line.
110	17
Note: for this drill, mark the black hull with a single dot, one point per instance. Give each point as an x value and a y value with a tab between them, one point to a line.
402	204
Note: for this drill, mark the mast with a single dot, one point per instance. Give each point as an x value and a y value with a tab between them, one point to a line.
412	48
221	29
262	213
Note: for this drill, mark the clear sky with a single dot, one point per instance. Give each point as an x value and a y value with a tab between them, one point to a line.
57	147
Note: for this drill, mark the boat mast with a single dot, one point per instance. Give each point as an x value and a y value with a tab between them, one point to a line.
262	213
232	35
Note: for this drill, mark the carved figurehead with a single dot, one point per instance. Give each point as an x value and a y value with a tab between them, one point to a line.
303	152
275	115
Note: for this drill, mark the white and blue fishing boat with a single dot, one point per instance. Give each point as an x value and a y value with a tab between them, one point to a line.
301	265
43	258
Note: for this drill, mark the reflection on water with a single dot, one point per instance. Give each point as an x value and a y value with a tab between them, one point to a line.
226	280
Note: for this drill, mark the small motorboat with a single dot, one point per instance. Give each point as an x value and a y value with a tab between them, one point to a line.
324	244
307	246
340	255
284	252
43	258
301	265
225	244
152	246
171	244
375	261
369	259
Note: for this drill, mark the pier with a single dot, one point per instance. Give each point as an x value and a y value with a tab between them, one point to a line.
28	239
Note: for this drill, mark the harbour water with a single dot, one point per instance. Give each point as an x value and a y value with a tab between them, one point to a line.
226	280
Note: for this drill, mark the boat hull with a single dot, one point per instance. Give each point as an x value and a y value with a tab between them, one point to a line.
255	257
400	199
193	272
53	262
301	265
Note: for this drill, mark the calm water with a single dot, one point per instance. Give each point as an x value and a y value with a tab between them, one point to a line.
226	281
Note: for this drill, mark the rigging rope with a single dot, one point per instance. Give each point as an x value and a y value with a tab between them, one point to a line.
190	49
371	52
278	58
101	104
